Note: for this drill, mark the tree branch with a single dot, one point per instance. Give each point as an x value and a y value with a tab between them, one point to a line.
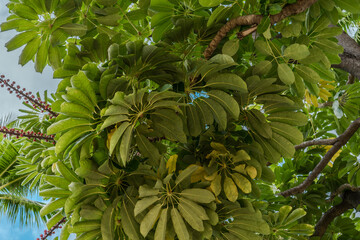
329	216
350	59
316	142
248	20
340	141
350	199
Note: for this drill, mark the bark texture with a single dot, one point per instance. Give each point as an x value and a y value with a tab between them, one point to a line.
350	58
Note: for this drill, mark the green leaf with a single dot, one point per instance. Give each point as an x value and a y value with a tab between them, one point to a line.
125	145
74	29
231	47
283	213
242	182
263	47
115	110
282	145
75	110
261	127
194	208
57	181
193	121
54	219
145	191
114	139
52	206
218	112
54	57
144	203
25	11
210	3
349	5
295	215
80	81
20	40
66	124
296	51
244	234
170	124
194	221
291	118
149	220
198	195
54	193
307	74
289	132
41	56
113	120
147	149
230	189
227	101
29	51
179	225
66	139
285	73
206	116
160	232
329	46
86	226
186	173
129	225
17	23
262	68
77	96
108	221
67	173
227	81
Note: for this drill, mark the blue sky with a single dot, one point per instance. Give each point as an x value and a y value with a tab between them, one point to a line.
27	78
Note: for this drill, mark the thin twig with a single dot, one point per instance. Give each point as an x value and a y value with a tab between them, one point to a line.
316	142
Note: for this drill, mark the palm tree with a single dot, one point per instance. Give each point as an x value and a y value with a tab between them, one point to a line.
14	201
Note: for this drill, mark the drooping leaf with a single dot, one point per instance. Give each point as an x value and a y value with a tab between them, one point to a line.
179	225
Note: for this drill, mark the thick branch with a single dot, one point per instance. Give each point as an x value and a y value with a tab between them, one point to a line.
350	59
340	141
350	199
329	216
248	20
316	142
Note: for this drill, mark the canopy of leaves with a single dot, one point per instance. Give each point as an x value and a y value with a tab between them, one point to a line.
152	141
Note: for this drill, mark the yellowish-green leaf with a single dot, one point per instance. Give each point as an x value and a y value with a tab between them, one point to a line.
242	182
171	163
230	189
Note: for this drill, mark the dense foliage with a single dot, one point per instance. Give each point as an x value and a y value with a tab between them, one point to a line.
147	139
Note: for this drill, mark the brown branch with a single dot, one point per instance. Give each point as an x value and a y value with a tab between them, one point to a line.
329	216
325	104
341	189
340	141
242	34
350	58
350	199
316	142
351	79
248	20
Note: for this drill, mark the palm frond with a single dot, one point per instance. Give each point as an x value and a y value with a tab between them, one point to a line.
17	207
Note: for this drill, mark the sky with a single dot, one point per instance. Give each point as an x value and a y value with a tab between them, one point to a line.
27	78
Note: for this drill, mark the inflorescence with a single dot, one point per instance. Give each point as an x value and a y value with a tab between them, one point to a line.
52	230
27	96
29	134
